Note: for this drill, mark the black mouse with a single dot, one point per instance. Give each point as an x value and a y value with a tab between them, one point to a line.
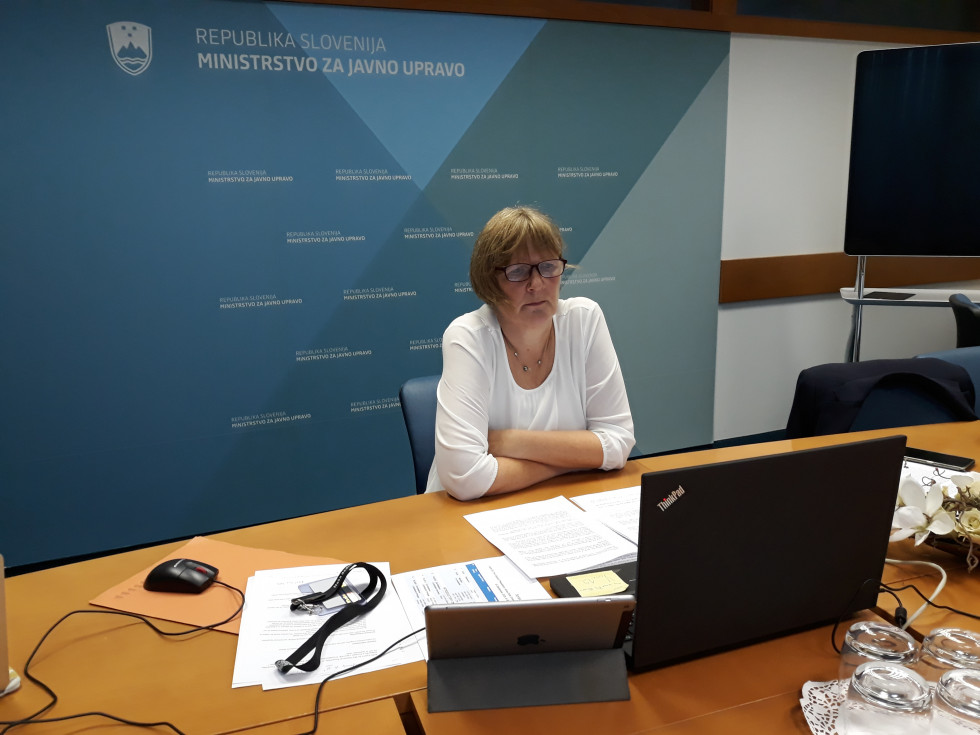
180	575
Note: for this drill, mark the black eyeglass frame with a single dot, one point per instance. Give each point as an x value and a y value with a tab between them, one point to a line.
531	268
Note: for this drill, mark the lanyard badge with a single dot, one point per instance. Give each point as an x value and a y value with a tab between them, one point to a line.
369	599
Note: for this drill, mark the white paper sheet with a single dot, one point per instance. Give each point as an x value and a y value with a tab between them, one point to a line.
483	580
271	631
617	509
926	473
552	537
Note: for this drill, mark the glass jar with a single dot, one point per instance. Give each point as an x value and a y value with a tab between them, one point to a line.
873	641
886	699
945	649
956	703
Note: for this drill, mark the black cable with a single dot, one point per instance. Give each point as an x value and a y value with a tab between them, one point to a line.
32	719
929	602
319	690
850	603
901	614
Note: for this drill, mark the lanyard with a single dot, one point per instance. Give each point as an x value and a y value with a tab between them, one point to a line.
369	600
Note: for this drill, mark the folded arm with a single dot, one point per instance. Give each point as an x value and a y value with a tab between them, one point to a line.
525	457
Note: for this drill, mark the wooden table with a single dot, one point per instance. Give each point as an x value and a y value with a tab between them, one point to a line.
667	696
101	662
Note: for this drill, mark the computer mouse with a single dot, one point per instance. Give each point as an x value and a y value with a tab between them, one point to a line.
180	575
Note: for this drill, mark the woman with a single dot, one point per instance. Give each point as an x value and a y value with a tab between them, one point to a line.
531	386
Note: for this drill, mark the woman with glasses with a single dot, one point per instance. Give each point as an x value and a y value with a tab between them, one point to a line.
531	385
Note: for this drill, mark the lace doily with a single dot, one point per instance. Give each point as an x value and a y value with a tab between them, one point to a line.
821	703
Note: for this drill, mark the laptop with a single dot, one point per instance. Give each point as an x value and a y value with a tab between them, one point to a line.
489	655
738	552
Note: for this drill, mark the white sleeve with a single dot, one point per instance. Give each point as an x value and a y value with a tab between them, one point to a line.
466	469
607	407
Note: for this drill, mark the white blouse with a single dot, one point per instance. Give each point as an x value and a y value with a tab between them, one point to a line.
477	394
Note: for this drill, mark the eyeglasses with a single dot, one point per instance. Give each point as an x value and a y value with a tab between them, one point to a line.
522	271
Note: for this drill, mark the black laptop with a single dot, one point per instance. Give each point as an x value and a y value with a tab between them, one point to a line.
737	552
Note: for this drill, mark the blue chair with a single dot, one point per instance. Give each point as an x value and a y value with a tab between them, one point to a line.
418	399
966	357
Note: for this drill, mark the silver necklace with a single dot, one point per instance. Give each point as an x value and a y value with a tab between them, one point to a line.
510	345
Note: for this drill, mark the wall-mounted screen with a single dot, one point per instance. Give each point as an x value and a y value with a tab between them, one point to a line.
914	183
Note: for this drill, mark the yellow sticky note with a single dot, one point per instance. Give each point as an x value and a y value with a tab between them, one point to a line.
596	584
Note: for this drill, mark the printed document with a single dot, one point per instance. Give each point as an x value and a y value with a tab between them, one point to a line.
271	631
618	509
552	537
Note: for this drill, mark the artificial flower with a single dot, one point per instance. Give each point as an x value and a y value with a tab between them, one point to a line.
943	511
969	523
920	512
967	485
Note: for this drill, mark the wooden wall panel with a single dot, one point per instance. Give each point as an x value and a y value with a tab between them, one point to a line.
711	15
752	279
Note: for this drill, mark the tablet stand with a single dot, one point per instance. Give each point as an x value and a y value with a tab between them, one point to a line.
525	680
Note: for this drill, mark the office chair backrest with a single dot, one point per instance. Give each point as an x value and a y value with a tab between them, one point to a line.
418	399
969	359
888	406
879	394
967	315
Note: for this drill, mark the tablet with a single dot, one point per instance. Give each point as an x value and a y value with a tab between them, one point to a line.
527	626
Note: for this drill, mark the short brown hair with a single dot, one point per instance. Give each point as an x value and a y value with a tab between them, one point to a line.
504	233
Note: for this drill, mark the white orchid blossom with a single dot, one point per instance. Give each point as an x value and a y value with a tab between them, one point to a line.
920	512
966	484
942	511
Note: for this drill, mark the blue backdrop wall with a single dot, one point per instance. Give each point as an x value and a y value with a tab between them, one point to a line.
231	230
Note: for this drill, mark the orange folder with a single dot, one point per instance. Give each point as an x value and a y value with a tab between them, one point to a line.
235	565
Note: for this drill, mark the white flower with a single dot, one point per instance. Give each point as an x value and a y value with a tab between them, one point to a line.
921	512
962	481
967	484
969	523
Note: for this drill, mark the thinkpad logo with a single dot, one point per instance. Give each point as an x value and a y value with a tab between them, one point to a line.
670	499
131	46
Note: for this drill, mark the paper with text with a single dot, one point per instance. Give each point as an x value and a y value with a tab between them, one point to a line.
617	509
271	631
551	537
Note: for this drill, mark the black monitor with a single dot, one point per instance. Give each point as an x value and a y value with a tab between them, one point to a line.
914	180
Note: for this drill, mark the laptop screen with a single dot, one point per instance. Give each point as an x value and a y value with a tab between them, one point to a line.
736	552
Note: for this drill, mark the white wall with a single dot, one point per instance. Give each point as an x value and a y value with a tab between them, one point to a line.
789	124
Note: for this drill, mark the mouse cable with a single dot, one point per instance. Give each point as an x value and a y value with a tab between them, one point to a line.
33	719
935	593
319	689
